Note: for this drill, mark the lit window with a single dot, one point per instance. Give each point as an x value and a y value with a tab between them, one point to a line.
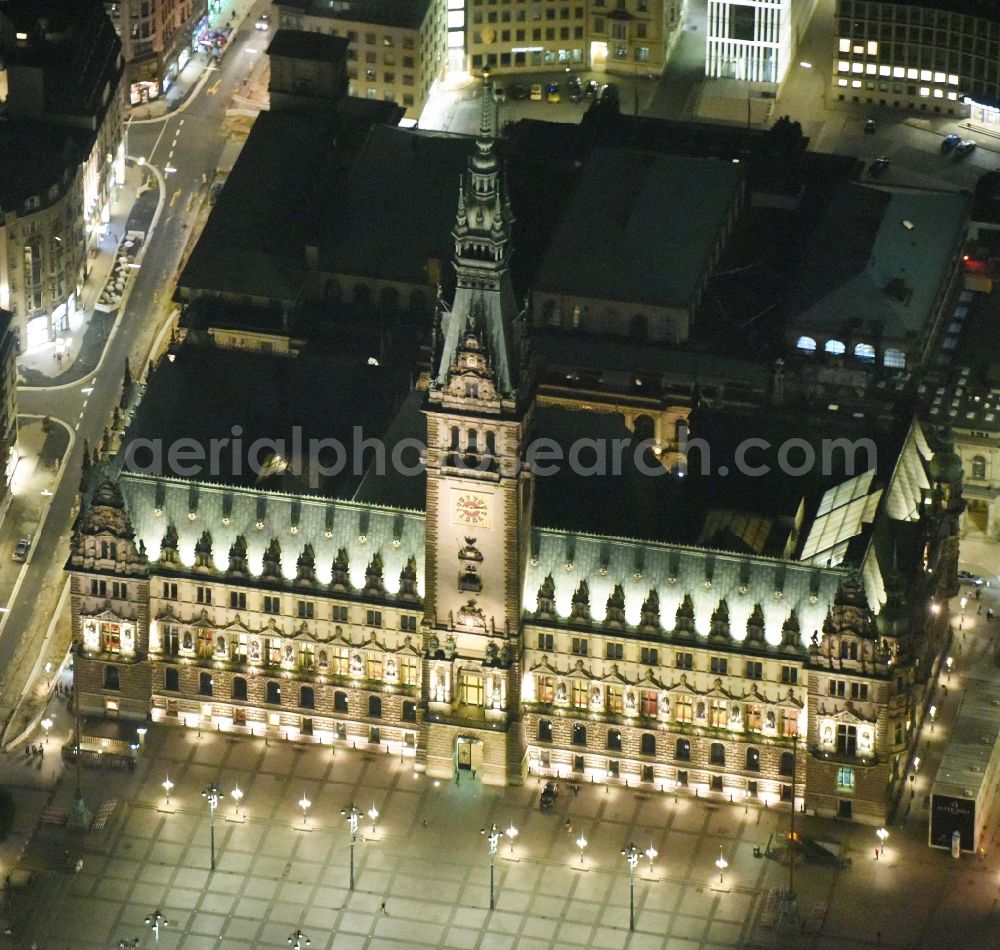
845	780
938	94
870	69
939	77
843	66
894	359
865	351
857	67
845	45
806	343
925	91
858	48
884	70
834	347
898	72
925	75
841	82
872	48
953	96
911	73
952	79
855	83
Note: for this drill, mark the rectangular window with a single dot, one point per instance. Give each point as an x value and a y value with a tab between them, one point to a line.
859	692
790	675
408	623
99	588
684	661
789	723
615	699
580	646
339	661
838	688
648	702
373	618
545	641
845	780
203	595
755	670
579	694
847	739
375	666
169	591
717	713
306	609
339	614
614	651
546	688
753	717
649	656
237	600
719	665
407	670
119	590
272	604
683	708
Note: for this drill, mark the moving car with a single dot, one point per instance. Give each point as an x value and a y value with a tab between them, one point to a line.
499	93
967	577
965	147
869	126
263	22
21	549
549	795
950	141
552	92
536	92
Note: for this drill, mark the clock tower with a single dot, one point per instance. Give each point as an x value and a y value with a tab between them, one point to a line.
478	494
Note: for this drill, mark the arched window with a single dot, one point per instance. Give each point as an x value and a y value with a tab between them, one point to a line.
409	710
753	760
865	351
307	697
978	466
205	684
112	680
340	701
579	734
787	763
274	693
239	687
171	679
835	348
473	442
718	754
648	744
894	358
683	750
806	343
375	707
455	446
491	443
614	740
544	730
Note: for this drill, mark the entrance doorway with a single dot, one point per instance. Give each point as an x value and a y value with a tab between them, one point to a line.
469	755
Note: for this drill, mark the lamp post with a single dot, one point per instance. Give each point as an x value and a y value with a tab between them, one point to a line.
492	837
352	815
721	864
212	794
511	834
237	794
155	921
581	843
46	725
297	940
304	804
882	835
631	855
167	785
373	814
651	853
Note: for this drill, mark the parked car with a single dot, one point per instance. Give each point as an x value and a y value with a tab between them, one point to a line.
967	577
878	168
549	795
499	93
965	147
21	549
574	89
519	91
950	141
869	126
263	22
552	92
609	93
591	88
536	92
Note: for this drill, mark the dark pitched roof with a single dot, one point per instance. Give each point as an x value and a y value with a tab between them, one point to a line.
301	44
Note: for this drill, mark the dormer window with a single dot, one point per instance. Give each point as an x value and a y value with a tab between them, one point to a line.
471	390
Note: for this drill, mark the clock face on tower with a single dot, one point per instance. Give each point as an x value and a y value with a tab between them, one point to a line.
471	509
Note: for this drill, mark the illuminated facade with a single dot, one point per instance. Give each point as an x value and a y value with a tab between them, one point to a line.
943	59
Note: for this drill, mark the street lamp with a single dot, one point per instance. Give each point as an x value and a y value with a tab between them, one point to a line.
581	843
167	785
352	815
237	794
512	834
297	940
373	814
631	855
212	794
651	853
492	837
721	864
155	921
882	835
304	804
46	725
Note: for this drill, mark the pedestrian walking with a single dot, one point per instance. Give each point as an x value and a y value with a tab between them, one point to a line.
384	911
876	854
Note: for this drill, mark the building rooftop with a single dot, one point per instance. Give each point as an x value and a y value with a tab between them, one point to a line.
877	261
303	44
405	13
641	227
34	157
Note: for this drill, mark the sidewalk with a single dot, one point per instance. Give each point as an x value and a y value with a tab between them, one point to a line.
133	210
